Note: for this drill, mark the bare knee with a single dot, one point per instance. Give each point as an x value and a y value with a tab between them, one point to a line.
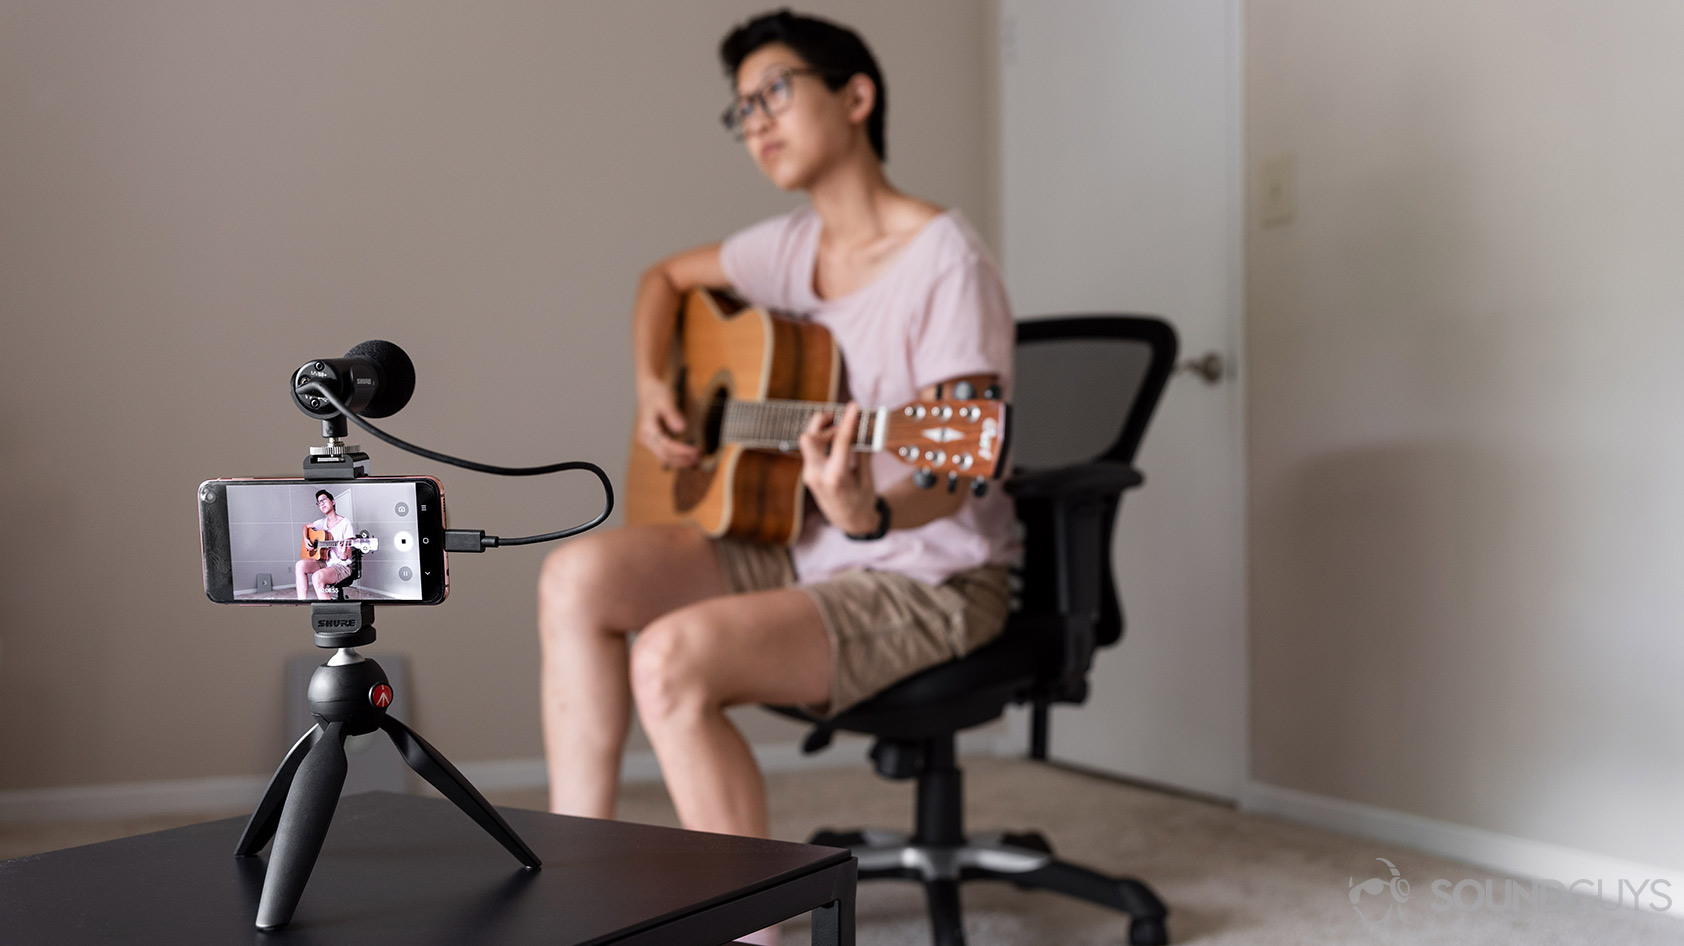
621	580
666	671
574	578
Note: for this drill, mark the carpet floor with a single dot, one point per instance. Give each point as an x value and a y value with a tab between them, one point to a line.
1228	877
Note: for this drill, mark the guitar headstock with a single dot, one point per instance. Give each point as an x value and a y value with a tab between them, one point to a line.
949	439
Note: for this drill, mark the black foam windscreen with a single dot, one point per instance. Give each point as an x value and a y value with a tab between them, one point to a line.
397	376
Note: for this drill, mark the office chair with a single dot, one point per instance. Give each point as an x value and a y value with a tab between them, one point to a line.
339	592
1086	387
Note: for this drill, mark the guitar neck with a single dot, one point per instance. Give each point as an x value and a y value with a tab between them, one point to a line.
778	425
959	438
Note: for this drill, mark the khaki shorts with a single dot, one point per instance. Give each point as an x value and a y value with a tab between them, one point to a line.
332	574
883	626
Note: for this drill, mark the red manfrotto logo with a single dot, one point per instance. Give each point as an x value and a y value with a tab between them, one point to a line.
381	695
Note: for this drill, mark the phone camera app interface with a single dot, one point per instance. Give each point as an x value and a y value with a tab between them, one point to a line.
319	542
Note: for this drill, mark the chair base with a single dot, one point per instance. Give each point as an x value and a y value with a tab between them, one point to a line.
1025	860
940	854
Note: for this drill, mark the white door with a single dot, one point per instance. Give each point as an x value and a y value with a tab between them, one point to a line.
1122	191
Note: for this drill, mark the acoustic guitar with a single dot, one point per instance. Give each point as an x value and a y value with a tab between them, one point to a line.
319	543
748	382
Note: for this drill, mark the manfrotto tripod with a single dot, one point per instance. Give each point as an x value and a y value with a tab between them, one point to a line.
348	696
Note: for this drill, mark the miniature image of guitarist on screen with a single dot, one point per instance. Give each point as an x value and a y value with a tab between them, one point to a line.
325	556
363	545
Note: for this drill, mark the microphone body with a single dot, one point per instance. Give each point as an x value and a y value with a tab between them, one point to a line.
374	379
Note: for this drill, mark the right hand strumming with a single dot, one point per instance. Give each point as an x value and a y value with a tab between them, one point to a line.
658	419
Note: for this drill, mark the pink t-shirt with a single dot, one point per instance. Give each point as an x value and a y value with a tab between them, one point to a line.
342	554
937	312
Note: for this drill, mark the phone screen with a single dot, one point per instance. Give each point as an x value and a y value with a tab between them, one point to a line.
294	542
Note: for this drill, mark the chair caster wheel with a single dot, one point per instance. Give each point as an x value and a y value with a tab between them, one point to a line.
1033	840
1148	931
838	838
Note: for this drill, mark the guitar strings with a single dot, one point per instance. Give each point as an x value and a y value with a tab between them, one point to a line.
779	423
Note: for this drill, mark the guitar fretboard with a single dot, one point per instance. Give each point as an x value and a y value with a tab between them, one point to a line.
778	425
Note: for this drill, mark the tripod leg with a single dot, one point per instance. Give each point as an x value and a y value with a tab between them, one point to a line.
303	827
261	827
431	765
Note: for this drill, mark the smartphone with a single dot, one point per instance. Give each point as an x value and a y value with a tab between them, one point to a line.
295	541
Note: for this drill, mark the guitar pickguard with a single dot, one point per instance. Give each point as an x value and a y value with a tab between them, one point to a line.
690	486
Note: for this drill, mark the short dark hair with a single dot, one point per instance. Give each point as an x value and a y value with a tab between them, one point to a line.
835	51
322	492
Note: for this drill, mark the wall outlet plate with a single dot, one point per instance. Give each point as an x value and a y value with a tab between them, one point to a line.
1277	199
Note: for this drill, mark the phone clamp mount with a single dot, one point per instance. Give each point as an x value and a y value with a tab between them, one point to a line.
336	460
348	696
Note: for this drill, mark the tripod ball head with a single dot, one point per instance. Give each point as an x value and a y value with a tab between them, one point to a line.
354	693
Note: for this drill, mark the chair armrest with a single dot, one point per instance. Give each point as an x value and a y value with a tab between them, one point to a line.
1068	514
1087	481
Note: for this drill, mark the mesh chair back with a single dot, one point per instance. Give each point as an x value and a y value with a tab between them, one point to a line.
1085	387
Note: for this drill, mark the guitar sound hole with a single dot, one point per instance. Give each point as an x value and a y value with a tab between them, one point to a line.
713	421
690	485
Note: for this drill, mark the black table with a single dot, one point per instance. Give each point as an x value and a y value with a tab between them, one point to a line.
400	869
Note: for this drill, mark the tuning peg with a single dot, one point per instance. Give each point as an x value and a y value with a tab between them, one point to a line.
963	390
992	392
952	482
979	487
924	479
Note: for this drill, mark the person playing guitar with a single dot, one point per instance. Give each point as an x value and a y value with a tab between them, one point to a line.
886	579
316	569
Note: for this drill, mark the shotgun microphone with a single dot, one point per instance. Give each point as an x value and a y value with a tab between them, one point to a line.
374	379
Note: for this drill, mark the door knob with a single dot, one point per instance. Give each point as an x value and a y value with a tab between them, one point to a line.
1208	366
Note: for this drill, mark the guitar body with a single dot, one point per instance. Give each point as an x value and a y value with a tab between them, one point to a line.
325	543
725	350
319	536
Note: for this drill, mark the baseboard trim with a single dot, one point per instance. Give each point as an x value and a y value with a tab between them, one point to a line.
238	792
641	766
131	799
845	751
1491	850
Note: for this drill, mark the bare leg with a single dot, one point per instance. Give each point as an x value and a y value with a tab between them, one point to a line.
689	665
591	594
324	576
302	572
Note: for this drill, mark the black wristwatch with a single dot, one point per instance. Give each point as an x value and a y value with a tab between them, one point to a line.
882	524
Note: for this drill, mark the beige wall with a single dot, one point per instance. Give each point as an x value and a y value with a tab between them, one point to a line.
195	197
1465	451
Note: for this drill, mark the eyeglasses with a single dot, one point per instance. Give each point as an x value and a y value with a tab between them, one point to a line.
772	98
